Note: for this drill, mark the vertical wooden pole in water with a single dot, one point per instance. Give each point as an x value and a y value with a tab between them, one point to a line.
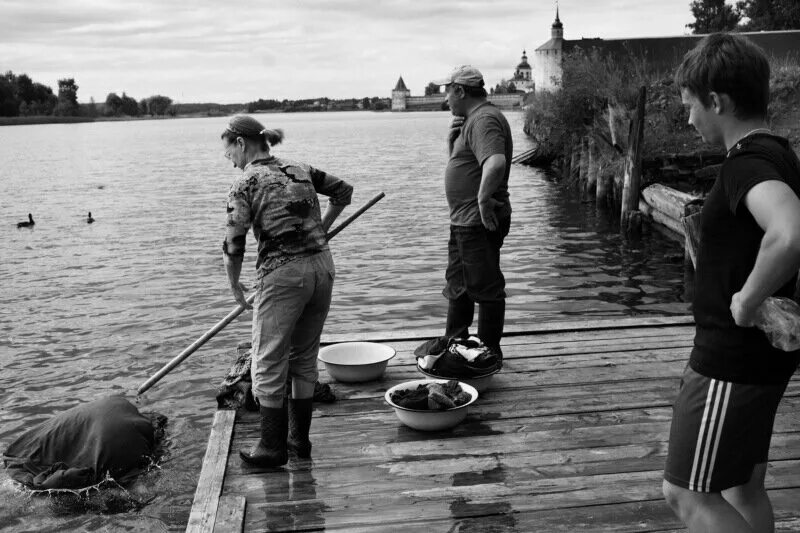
603	183
575	159
629	215
565	163
584	172
594	164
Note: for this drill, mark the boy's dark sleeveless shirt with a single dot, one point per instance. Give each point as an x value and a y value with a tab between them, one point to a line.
730	240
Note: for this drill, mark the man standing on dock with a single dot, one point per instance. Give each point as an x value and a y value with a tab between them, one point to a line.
476	186
749	250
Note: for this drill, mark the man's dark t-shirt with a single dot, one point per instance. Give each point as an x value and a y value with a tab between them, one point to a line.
485	133
730	241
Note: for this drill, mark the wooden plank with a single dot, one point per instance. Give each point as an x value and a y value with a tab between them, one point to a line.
230	515
209	485
361	505
643	516
515	329
537	441
563	398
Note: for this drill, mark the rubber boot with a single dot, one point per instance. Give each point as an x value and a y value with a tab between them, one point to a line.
491	316
299	426
459	317
271	448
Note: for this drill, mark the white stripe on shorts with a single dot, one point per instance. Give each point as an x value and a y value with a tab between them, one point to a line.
708	436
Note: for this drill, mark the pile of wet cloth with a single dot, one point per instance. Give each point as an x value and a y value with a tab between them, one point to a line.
453	357
432	396
86	445
237	388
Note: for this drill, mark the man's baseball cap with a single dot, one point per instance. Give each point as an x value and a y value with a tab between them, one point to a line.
463	75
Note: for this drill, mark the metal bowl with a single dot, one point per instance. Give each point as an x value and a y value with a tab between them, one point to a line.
430	420
353	362
481	383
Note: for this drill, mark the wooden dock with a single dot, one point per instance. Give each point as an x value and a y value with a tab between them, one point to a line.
570	436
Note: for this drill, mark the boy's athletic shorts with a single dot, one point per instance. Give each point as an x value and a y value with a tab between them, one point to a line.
720	431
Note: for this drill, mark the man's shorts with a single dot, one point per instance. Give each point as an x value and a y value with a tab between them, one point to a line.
720	431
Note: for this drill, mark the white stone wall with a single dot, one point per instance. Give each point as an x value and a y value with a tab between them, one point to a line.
399	100
547	69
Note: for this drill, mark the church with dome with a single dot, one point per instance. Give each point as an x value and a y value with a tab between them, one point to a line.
661	53
523	75
545	72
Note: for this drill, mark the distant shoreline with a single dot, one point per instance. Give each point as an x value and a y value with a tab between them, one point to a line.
47	119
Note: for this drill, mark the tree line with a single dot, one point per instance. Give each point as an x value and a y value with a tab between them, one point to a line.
375	103
746	15
20	96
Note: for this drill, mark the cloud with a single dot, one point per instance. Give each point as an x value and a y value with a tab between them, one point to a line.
227	52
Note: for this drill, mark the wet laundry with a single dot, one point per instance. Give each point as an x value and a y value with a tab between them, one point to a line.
432	396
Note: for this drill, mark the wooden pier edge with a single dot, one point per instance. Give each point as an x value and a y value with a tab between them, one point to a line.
214	512
203	517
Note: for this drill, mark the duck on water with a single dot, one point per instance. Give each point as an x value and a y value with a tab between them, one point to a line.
29	224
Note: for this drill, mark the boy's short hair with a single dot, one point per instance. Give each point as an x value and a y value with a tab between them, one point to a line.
730	64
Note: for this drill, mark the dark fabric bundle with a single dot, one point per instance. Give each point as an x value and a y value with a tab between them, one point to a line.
79	447
237	388
452	365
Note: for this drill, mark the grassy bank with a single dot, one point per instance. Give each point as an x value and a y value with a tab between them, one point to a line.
598	95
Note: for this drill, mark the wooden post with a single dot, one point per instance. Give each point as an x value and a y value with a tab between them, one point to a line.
603	184
594	163
633	164
584	172
575	159
565	163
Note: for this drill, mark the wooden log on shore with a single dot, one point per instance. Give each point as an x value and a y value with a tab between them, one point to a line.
691	229
660	217
633	160
691	232
669	201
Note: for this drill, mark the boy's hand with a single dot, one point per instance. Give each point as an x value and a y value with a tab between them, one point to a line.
744	315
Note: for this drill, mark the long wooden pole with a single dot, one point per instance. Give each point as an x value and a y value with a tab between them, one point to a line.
219	326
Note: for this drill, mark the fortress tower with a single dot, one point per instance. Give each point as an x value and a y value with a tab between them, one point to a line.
399	95
547	60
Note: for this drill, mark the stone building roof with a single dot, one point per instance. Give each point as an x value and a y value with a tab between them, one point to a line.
556	43
667	52
401	85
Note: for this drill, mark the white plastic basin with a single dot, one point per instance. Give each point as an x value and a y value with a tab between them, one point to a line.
352	362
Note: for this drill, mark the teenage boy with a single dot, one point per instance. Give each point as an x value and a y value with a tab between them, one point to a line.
749	250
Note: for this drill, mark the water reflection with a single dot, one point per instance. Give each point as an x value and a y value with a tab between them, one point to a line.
291	500
492	515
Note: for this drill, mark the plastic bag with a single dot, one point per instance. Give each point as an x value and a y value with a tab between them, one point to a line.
779	319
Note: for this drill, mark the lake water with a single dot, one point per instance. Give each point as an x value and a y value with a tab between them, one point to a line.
91	310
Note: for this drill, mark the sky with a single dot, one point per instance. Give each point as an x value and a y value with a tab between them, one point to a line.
235	51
